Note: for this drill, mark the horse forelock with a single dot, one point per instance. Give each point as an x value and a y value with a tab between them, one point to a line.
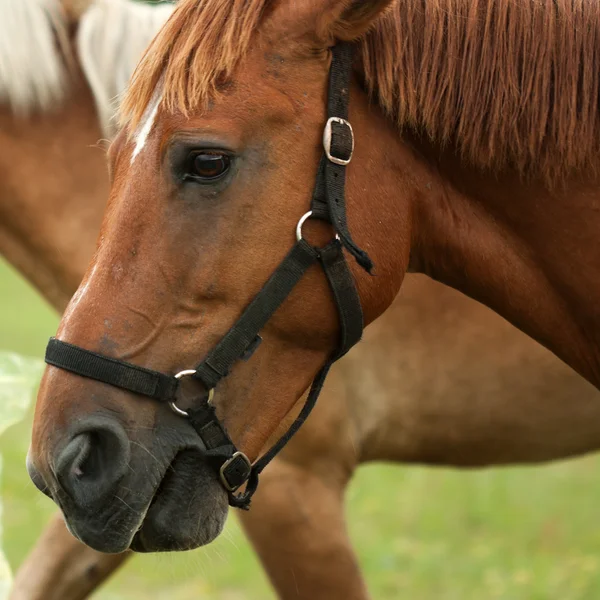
33	49
504	83
195	53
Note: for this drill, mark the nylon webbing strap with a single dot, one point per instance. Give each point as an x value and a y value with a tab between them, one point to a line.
243	500
220	450
115	372
319	205
345	295
328	203
349	309
243	333
338	93
233	346
329	195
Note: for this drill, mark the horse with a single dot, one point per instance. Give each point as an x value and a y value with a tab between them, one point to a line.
402	411
230	90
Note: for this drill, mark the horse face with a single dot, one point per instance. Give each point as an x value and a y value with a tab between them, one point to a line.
203	207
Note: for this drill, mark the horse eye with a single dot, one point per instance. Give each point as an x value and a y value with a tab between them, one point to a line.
205	166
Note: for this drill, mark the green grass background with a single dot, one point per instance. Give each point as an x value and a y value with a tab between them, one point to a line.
421	534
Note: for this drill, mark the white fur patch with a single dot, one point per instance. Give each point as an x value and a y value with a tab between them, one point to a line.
145	126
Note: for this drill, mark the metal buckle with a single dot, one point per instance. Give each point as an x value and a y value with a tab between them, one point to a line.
327	133
226	484
180	411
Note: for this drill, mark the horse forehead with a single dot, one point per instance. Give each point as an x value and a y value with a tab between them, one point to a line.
239	111
257	90
146	124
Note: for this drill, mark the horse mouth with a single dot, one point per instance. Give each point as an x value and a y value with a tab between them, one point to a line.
188	509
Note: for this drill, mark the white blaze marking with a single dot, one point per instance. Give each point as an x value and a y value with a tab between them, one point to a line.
145	127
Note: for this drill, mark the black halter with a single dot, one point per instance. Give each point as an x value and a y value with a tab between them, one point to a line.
328	203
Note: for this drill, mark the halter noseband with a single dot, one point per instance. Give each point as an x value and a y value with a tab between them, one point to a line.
328	204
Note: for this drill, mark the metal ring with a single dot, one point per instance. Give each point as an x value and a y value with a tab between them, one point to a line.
301	222
174	407
185	373
178	411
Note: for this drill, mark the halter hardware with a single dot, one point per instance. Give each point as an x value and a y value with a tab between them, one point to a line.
336	126
305	217
238	462
233	467
173	405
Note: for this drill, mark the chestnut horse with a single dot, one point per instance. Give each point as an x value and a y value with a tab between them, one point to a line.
407	410
225	112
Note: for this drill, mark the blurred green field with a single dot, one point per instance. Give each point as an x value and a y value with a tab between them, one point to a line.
423	534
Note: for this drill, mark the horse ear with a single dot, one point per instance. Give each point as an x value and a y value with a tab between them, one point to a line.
347	20
324	22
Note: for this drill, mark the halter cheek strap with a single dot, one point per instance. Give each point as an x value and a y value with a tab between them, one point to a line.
239	343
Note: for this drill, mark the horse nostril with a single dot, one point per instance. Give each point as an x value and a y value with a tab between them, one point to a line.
92	463
73	458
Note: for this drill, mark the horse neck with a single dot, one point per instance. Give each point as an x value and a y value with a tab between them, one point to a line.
528	253
52	192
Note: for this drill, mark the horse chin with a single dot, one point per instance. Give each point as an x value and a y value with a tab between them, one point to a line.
188	510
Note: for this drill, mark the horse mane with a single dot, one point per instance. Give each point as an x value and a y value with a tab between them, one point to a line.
111	39
504	83
33	46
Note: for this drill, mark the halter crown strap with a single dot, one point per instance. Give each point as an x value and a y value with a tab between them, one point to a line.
328	203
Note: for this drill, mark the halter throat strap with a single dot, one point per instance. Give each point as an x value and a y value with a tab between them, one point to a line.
328	203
